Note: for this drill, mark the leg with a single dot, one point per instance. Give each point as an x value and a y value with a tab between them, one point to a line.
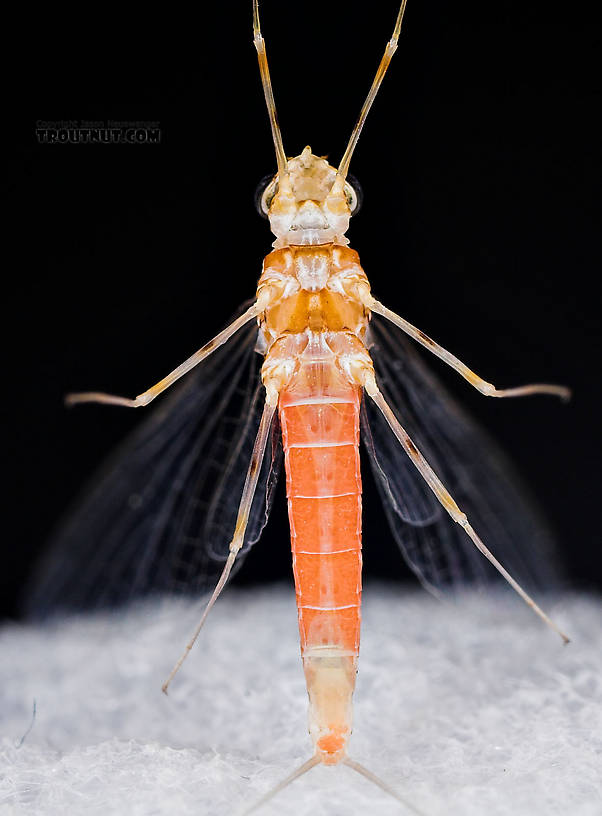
241	524
447	501
481	385
184	368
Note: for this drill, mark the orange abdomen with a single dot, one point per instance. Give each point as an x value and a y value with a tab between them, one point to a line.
320	432
325	506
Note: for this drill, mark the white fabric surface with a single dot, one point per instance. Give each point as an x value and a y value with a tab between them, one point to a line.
470	708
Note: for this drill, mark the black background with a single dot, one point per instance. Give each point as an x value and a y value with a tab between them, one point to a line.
479	165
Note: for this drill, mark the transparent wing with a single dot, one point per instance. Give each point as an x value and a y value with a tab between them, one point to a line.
160	514
471	467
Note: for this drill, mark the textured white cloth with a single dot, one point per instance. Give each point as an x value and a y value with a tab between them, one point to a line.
470	708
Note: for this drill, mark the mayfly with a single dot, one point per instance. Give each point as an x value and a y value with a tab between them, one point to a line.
328	370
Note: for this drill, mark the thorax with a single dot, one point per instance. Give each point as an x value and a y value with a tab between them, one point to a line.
311	288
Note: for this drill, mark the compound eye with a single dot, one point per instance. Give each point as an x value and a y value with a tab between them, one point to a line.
353	194
264	193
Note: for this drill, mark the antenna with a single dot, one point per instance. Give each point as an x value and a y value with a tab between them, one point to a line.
382	70
268	93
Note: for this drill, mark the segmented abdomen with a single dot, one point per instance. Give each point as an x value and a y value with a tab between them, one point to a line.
320	431
321	436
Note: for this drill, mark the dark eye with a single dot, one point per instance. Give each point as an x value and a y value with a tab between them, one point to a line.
353	194
264	193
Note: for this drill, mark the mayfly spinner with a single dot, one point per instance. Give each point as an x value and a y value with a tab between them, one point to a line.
327	370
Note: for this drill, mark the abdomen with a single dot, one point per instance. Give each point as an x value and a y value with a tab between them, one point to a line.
319	414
